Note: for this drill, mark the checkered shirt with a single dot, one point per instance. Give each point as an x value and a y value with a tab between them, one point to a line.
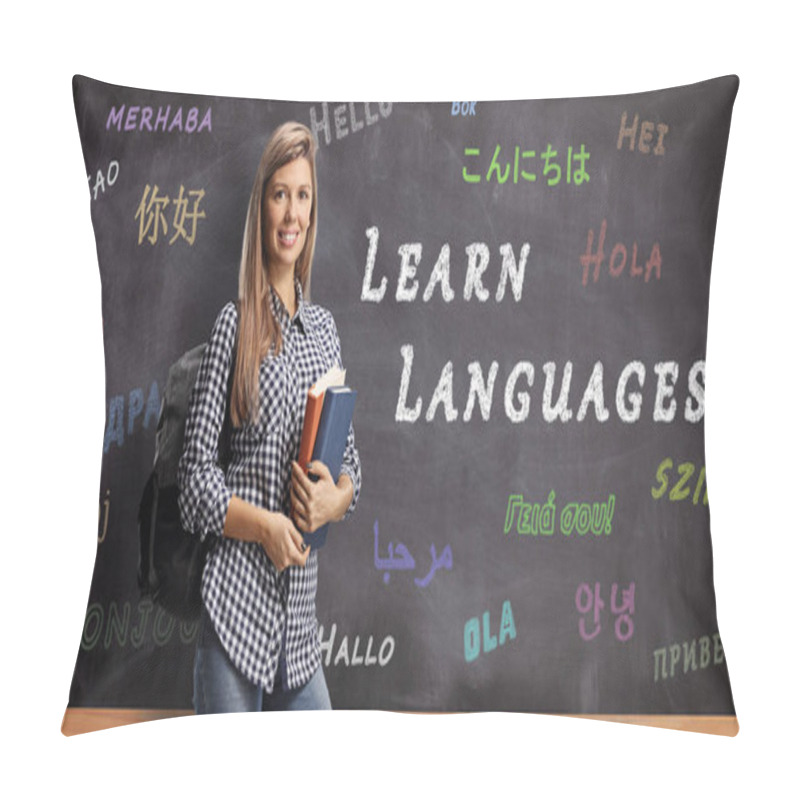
253	608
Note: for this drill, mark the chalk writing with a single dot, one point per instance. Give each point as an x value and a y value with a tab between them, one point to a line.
535	519
689	650
443	561
182	213
511	270
574	164
101	181
618	259
152	217
682	488
646	132
353	657
356	114
463	109
472	633
587	599
531	519
116	625
163	118
102	517
400	559
517	401
582	518
115	428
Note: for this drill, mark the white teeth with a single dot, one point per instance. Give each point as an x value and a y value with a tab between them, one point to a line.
289	238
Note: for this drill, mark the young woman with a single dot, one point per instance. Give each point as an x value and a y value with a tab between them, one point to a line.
258	644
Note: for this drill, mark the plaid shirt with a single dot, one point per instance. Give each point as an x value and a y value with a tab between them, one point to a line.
256	611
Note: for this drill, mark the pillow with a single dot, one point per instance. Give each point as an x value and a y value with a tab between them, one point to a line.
519	294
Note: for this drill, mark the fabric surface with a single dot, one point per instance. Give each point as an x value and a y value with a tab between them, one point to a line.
249	603
220	688
520	290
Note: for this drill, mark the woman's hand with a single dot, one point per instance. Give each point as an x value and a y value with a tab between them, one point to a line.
275	532
283	543
315	503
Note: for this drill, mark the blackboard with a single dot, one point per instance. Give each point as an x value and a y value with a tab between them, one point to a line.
489	617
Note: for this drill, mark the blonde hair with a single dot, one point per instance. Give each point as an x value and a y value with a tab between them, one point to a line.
259	330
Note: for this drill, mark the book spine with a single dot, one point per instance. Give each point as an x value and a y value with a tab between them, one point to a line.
334	426
310	427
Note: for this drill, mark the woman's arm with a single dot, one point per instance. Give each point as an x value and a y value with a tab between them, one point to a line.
351	468
204	496
207	506
273	531
351	463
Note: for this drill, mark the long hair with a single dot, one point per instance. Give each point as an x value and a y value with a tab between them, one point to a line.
258	329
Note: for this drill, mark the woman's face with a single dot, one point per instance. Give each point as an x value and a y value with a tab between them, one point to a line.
287	212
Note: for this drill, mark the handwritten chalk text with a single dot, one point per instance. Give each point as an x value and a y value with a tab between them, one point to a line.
401	559
463	109
618	260
517	401
689	650
153	219
128	626
587	599
102	517
512	271
534	519
682	488
357	115
574	171
149	118
354	657
646	132
472	633
101	180
115	427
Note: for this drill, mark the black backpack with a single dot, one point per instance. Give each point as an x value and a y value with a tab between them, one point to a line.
171	560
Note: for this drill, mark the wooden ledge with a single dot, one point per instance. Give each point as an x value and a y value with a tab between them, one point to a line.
86	720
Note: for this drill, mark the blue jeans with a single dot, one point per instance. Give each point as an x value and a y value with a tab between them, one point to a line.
219	687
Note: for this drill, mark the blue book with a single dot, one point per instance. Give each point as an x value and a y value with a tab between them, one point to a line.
334	427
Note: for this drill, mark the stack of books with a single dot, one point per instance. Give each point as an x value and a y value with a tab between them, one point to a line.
329	412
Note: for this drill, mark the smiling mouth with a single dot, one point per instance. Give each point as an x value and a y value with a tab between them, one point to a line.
284	237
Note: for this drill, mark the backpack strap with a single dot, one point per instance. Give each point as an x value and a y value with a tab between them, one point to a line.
227	425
